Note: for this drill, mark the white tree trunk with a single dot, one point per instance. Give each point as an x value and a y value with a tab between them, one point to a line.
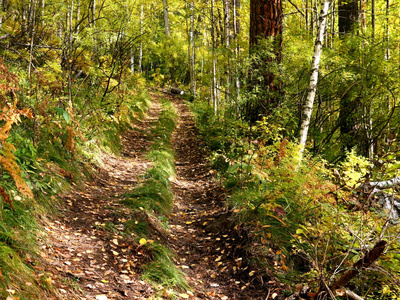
214	95
192	51
141	43
308	108
389	202
228	43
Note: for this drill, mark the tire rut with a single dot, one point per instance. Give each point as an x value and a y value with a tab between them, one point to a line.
86	251
207	248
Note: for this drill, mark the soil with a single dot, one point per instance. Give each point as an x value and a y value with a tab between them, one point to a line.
88	256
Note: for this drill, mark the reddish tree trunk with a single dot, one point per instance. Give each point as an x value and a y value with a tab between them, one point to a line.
266	21
266	44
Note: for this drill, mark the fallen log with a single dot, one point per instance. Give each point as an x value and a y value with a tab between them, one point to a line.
369	258
388	202
338	286
177	91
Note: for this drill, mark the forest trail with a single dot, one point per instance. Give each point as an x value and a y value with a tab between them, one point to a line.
87	245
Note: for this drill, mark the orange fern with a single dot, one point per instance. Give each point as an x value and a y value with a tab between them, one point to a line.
10	115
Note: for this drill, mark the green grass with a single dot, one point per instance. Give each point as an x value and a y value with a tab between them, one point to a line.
154	197
154	194
162	269
48	168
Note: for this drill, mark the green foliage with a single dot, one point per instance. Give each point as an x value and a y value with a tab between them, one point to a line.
353	169
292	212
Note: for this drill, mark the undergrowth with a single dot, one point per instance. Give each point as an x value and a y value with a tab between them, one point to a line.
301	227
45	147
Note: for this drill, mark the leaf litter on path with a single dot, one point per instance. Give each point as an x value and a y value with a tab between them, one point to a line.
86	250
89	257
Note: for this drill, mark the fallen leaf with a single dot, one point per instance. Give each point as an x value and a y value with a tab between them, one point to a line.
48	280
184	267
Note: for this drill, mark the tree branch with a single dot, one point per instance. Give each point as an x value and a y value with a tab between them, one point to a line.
369	258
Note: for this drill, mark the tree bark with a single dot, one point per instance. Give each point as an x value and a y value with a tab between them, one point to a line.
265	23
166	19
192	50
373	18
387	38
308	108
369	258
348	15
141	43
388	202
228	44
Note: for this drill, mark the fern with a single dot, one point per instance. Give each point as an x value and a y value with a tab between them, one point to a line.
11	115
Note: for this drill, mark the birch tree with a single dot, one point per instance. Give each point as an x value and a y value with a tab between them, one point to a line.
192	50
308	108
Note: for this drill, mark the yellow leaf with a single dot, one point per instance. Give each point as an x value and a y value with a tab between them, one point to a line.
48	280
143	241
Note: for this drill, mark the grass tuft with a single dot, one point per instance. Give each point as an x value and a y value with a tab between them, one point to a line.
162	269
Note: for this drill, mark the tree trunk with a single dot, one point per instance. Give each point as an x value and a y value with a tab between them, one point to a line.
369	258
265	23
227	44
308	108
166	19
192	50
348	15
373	18
236	31
387	38
141	43
349	103
32	22
214	98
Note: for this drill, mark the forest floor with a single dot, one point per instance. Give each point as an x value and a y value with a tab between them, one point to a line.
88	256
